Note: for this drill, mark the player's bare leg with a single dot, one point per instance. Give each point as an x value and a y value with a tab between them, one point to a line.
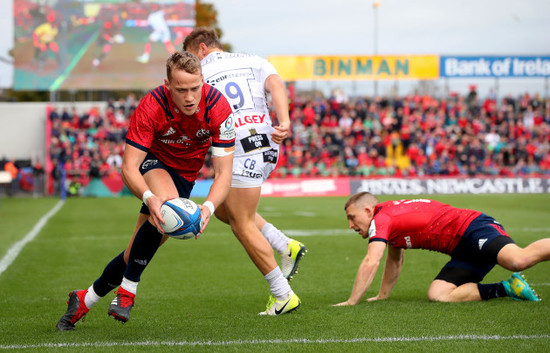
443	291
516	287
291	251
240	208
514	258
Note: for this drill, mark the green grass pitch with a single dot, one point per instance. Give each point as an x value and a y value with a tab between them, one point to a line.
204	295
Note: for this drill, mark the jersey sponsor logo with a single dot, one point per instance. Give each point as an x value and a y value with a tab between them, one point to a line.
255	142
481	242
271	156
182	140
227	130
372	229
408	242
250	119
213	81
251	174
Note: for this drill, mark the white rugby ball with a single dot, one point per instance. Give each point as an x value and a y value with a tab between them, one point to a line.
182	218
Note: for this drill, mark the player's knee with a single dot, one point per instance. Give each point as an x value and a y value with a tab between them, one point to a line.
435	297
519	264
440	297
440	291
515	261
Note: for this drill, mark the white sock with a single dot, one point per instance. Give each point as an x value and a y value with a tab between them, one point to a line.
278	284
91	297
275	238
128	285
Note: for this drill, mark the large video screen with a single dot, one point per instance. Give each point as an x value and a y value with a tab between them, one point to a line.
96	44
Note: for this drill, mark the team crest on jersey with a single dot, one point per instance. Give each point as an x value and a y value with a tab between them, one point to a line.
202	133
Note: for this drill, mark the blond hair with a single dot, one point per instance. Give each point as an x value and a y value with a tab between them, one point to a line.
362	198
184	61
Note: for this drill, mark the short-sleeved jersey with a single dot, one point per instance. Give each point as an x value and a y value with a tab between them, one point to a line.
178	140
241	78
420	224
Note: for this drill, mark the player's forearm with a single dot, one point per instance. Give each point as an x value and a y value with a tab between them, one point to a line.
363	280
391	274
133	180
222	179
388	282
279	98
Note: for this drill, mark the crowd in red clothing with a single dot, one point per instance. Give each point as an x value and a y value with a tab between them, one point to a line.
367	137
89	144
418	135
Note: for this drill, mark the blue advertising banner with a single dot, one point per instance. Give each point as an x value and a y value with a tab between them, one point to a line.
495	66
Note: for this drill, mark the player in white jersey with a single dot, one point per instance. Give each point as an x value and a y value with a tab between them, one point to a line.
246	80
160	33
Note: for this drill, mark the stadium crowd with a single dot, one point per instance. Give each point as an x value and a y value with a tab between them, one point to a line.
460	135
418	136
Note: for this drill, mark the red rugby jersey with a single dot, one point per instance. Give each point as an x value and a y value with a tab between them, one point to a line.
420	224
178	140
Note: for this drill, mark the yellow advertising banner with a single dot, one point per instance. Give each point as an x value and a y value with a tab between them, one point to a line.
379	67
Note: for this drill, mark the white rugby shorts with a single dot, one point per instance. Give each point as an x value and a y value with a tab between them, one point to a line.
250	171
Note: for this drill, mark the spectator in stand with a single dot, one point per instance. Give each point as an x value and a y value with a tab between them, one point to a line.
11	168
114	160
38	178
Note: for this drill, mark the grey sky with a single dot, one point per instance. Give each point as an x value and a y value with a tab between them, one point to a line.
470	27
465	27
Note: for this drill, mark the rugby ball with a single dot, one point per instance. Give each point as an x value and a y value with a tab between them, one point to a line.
182	218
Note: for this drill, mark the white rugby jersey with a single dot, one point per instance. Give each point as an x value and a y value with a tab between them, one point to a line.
241	79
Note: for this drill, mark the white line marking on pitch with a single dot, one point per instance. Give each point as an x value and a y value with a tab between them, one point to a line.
279	341
16	248
305	214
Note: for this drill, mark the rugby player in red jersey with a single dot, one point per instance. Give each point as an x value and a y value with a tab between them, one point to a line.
170	133
475	242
